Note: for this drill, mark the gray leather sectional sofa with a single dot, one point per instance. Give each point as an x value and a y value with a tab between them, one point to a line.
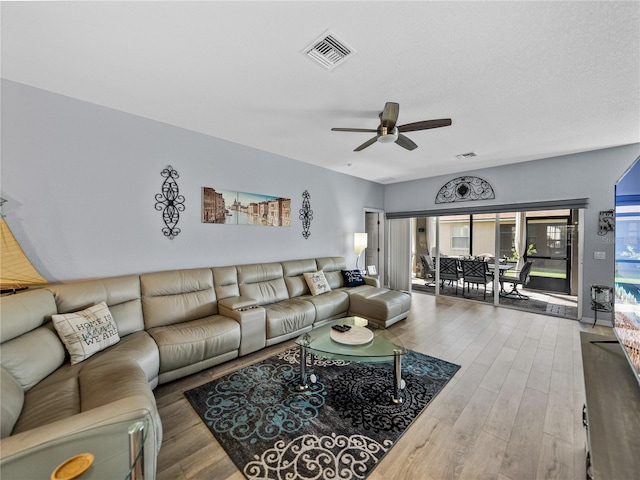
171	324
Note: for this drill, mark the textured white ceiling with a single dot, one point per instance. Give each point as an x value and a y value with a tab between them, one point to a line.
521	80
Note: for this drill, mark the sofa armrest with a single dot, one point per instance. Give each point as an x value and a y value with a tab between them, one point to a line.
373	281
252	319
240	303
101	431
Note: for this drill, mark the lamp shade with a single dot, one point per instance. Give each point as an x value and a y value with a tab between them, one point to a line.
359	242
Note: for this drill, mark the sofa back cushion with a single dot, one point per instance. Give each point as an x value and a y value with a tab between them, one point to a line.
11	401
24	312
225	281
32	356
121	294
332	266
176	296
30	350
263	282
293	276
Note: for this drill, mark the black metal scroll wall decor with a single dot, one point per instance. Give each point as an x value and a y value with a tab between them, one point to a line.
170	202
465	189
306	214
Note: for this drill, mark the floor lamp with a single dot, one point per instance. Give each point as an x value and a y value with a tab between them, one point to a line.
359	244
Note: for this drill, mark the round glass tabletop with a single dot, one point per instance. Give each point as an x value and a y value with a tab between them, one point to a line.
382	347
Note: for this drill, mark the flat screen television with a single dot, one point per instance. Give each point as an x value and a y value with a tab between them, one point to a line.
627	265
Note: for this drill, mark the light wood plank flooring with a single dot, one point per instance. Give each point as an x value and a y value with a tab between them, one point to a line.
513	411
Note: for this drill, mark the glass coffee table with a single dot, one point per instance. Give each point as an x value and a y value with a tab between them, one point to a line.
363	342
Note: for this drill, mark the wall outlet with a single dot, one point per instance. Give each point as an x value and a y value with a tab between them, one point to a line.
599	255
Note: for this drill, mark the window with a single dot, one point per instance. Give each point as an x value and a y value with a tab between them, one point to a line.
459	236
555	237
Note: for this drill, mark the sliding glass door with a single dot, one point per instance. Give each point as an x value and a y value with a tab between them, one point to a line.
541	237
549	248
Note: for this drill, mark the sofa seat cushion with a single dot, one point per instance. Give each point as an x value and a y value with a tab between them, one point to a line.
138	347
73	389
333	304
55	398
187	343
380	305
360	289
108	383
289	316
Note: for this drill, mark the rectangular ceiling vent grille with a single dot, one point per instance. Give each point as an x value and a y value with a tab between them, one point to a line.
329	51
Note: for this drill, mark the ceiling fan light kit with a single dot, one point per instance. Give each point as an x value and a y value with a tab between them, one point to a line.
388	132
388	136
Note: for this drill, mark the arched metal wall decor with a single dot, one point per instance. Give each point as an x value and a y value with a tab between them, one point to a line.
465	189
170	202
306	214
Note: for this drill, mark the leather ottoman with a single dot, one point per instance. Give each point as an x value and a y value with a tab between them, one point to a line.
381	306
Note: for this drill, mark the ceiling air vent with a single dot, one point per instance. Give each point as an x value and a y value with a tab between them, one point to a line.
464	156
329	51
385	180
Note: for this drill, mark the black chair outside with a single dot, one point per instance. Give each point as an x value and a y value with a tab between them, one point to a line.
449	270
476	272
523	279
429	269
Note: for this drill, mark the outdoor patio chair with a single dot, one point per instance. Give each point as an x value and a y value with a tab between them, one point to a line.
429	269
476	272
523	278
449	270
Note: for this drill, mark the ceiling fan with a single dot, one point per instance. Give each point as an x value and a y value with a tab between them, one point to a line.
388	132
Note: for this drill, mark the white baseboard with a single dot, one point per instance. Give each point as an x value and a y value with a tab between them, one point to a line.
604	322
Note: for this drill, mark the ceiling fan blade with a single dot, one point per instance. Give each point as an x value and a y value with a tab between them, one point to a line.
366	144
405	142
389	115
425	125
353	130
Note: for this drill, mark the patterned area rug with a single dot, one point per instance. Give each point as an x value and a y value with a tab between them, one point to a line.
340	428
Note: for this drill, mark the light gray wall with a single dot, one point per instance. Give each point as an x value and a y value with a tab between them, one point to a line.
80	181
589	175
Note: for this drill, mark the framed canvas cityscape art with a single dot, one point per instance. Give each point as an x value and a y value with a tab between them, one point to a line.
240	208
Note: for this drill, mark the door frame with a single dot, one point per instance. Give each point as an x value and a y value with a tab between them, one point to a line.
381	237
540	282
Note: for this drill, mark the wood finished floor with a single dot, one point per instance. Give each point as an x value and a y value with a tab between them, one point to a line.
512	412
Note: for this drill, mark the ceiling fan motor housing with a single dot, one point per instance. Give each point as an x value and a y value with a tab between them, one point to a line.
386	135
